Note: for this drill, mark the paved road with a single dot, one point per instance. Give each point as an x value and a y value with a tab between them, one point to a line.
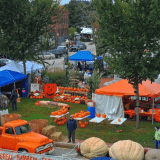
58	151
59	61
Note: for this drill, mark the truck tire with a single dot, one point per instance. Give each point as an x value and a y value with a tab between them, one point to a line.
22	150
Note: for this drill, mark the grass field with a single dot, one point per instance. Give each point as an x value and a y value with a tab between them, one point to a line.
144	135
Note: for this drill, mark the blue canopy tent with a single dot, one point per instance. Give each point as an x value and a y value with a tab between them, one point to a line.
84	56
8	77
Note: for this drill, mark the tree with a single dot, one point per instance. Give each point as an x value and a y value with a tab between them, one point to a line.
72	32
75	17
127	29
24	28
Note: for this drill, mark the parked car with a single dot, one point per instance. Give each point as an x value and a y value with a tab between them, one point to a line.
47	55
81	44
63	48
57	53
20	137
75	48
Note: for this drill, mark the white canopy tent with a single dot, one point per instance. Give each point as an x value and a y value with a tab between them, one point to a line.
14	66
112	106
86	31
32	66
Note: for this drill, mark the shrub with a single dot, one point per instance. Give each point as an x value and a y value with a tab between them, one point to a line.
56	77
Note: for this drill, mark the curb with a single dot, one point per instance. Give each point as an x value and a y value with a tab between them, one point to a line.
72	145
66	145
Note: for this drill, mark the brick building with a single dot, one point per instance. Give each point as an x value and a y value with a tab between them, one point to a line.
61	27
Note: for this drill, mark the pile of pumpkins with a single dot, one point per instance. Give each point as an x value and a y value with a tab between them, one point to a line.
60	112
36	95
37	103
73	89
81	114
99	115
69	98
60	121
83	124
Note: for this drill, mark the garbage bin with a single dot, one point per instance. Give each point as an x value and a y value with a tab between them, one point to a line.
92	111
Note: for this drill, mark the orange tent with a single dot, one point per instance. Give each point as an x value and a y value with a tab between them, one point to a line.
122	87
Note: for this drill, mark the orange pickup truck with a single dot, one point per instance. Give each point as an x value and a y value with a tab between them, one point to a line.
17	135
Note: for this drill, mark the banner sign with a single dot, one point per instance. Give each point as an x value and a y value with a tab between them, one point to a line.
7	155
13	155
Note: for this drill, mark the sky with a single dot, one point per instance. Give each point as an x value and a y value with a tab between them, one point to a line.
65	2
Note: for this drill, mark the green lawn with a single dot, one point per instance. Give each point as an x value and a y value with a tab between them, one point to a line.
144	135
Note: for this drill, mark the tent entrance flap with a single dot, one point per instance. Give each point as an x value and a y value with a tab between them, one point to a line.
112	106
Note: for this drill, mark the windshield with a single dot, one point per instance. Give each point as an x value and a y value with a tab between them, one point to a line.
22	129
60	47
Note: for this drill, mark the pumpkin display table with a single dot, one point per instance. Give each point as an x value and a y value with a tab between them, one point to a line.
80	119
97	120
63	115
118	122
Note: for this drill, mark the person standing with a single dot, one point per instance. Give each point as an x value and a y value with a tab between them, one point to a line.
71	126
157	137
13	98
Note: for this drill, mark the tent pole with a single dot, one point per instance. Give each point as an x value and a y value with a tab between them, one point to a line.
14	85
152	110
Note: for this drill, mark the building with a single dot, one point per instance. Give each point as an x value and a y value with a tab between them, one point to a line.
60	29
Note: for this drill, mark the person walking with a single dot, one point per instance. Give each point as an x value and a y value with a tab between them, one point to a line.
13	98
157	137
71	126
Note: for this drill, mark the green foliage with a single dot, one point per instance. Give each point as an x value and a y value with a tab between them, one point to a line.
56	77
72	31
23	24
94	82
127	29
75	17
67	74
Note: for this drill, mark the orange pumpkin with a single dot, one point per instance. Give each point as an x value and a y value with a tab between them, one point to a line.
53	113
86	123
88	112
80	116
50	89
104	116
59	119
55	121
82	125
119	120
80	122
98	115
59	113
11	116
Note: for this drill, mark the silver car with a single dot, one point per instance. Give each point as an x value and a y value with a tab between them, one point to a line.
47	55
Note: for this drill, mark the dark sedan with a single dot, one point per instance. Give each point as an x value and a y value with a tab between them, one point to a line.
75	48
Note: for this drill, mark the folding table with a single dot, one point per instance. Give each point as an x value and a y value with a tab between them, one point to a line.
97	120
115	121
59	116
79	119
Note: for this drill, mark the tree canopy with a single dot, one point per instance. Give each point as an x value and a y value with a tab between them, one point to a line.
130	32
24	27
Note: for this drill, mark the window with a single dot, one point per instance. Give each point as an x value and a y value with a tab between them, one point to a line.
9	130
23	129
